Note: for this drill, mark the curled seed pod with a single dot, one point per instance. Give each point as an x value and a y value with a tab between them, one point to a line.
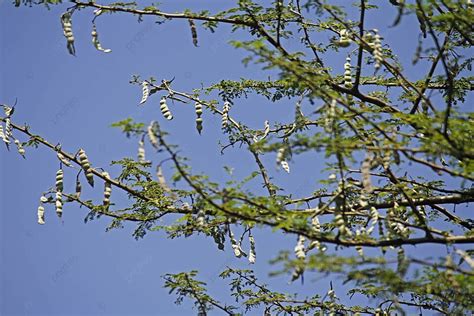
266	130
41	215
66	23
86	166
340	224
252	251
78	188
20	148
192	26
378	55
344	40
59	180
95	41
198	109
374	218
225	115
59	204
152	135
365	172
8	131
363	200
145	92
201	219
141	151
315	224
107	189
236	247
2	134
63	159
300	252
347	73
165	110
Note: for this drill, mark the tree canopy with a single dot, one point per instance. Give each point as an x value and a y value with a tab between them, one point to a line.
386	143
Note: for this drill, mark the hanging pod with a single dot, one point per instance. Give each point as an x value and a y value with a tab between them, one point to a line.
41	215
66	23
200	219
378	55
252	251
165	110
152	134
344	40
198	110
300	252
365	172
107	189
78	189
8	131
280	159
86	166
59	203
63	159
20	148
225	115
141	151
95	41
145	92
2	134
374	218
192	26
59	180
266	129
347	73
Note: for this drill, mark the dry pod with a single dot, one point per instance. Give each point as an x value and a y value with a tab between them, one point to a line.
165	110
8	131
300	252
252	251
225	115
145	92
78	188
107	189
67	30
20	148
200	219
198	110
378	55
41	215
95	41
236	247
344	40
86	166
141	151
266	130
59	180
59	204
280	159
365	172
285	166
152	135
2	134
63	159
192	26
374	218
347	73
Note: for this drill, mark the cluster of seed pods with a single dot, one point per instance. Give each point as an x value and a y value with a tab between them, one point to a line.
66	22
165	110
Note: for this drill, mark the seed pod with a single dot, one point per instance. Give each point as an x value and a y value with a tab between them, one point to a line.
95	41
8	110
152	135
141	151
369	39
201	219
235	245
67	30
300	252
285	166
378	55
465	256
43	199
59	180
252	252
2	134
374	218
340	224
107	189
225	115
59	204
41	215
402	264
344	40
266	130
145	92
347	73
315	224
198	110
165	110
8	131
192	26
360	250
365	171
20	148
86	166
78	188
63	159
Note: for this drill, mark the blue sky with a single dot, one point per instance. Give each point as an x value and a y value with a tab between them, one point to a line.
70	268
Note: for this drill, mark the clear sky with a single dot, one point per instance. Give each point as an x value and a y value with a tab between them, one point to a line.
70	268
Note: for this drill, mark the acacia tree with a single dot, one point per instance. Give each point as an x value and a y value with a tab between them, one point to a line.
398	156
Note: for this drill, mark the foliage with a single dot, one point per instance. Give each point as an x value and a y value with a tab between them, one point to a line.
377	131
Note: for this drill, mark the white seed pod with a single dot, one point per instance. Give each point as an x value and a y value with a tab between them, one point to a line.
78	188
59	180
378	55
107	189
161	179
63	159
41	215
374	218
145	92
8	130
281	153
365	172
300	252
266	130
466	257
344	40
59	204
201	219
198	110
284	164
347	73
252	251
192	26
66	23
235	245
165	110
20	148
369	39
2	134
141	151
225	115
315	224
95	41
43	199
86	166
152	135
340	224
